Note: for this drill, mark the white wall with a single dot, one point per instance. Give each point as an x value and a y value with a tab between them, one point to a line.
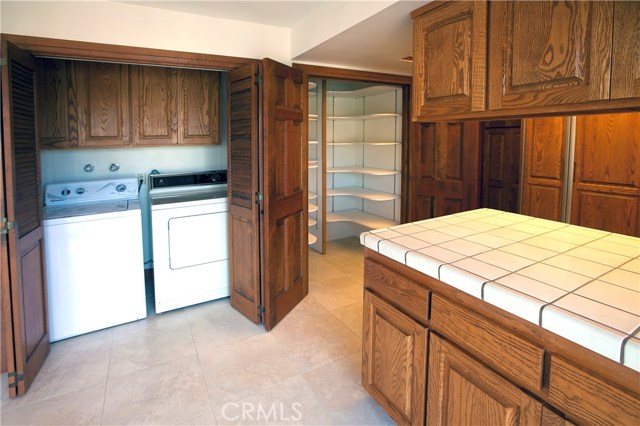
132	25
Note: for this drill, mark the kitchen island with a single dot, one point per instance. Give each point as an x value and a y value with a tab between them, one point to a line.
492	317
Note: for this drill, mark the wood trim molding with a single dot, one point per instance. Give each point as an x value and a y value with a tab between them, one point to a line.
70	49
347	74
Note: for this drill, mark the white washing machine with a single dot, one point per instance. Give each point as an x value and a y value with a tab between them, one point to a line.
190	238
94	260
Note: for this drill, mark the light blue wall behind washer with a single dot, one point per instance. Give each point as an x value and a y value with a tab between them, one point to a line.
68	165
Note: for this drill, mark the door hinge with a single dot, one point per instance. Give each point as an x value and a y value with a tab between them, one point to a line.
258	79
17	379
260	312
259	197
5	225
3	62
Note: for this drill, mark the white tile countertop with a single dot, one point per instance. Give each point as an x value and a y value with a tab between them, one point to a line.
580	283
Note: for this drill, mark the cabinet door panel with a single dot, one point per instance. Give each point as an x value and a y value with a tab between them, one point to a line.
444	169
153	105
549	53
501	168
463	391
57	104
450	59
625	67
103	103
606	188
394	360
198	107
543	165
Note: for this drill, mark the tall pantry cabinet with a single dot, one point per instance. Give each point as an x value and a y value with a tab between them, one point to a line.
355	158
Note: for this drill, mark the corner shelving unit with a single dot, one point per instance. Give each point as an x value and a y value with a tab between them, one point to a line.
316	161
363	158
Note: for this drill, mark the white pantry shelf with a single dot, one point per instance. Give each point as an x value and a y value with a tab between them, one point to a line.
312	85
312	222
312	195
313	164
313	208
363	170
368	220
361	143
313	142
362	117
364	193
313	117
367	91
312	238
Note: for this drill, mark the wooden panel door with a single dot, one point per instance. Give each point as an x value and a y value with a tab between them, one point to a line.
268	191
284	185
547	53
394	361
154	112
103	103
26	335
543	188
606	187
57	104
625	64
463	391
501	168
449	62
198	107
444	169
243	188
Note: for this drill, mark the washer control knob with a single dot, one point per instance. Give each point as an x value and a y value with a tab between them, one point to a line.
80	190
65	192
121	187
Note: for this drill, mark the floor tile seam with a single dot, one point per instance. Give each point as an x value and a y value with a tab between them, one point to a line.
160	364
346	326
49	398
106	382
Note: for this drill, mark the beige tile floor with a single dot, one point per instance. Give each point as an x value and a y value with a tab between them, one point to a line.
207	365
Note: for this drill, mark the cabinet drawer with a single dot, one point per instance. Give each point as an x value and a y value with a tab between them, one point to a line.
407	295
514	357
590	399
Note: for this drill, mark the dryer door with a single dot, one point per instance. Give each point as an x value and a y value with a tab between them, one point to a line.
197	239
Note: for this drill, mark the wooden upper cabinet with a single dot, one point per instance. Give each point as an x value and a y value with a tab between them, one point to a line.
625	68
57	104
154	108
450	49
546	53
103	104
174	106
82	104
198	107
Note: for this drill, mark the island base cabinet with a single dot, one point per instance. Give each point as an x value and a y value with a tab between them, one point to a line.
394	360
463	391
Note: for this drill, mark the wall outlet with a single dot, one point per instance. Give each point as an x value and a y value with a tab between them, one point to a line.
142	179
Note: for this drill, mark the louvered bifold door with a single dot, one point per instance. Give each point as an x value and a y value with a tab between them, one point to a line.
244	191
25	324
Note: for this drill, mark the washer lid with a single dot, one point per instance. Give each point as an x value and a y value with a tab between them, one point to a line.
85	209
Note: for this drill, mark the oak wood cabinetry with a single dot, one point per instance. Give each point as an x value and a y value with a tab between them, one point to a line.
549	53
483	365
462	391
394	360
174	106
546	57
544	155
449	44
99	105
83	104
606	181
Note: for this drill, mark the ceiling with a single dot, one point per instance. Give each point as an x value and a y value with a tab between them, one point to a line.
375	44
